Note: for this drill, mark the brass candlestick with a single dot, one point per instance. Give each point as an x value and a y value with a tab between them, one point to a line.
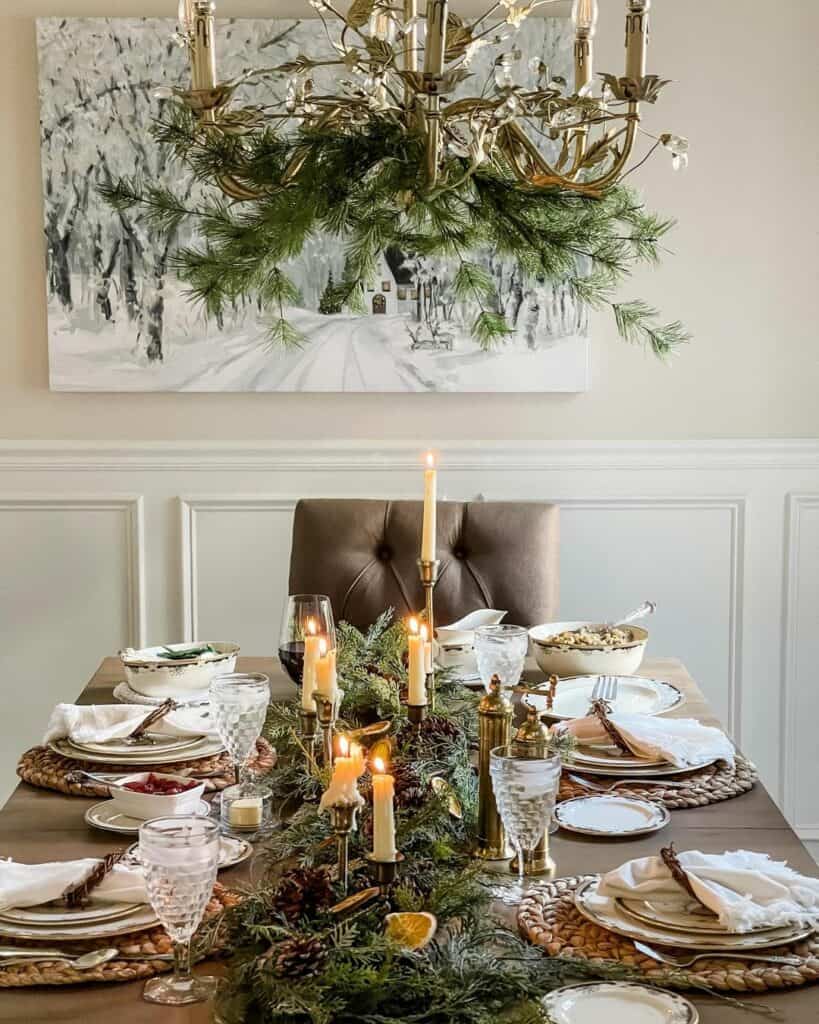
533	738
342	819
428	571
326	710
494	730
308	730
416	713
385	870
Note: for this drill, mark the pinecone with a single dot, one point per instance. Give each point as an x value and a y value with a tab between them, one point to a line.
303	892
299	957
434	728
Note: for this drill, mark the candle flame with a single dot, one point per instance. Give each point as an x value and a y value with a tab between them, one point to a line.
311	626
378	765
413	625
430	460
424	632
343	746
322	646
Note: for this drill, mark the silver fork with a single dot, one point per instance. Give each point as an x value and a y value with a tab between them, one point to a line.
595	787
674	961
605	689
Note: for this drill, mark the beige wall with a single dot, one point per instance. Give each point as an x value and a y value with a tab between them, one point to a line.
742	275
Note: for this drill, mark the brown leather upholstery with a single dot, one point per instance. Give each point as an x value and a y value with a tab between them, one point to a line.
362	554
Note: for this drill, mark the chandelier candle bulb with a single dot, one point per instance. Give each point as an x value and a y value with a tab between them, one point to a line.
417	670
311	654
383	813
584	19
203	52
636	38
428	535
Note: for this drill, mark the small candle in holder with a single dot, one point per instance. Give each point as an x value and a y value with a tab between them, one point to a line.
428	538
383	813
311	653
427	648
417	673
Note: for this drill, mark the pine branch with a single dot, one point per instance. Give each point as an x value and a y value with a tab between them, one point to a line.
634	324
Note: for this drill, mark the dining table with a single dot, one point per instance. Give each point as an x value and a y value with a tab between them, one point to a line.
39	825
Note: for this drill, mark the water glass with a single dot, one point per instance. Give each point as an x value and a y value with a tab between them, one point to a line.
238	701
501	650
304	613
180	856
525	787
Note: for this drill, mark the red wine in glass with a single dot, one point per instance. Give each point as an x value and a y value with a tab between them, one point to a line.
291	655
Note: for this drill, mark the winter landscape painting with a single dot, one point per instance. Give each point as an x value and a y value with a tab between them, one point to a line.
118	319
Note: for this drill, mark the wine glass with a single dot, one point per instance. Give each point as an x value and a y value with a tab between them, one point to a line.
525	785
239	703
501	650
304	613
180	856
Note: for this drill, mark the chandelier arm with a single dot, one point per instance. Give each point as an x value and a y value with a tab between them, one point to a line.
234	189
613	173
524	142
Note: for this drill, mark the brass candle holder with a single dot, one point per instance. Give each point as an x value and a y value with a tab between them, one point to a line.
308	730
494	730
326	713
428	572
342	821
385	870
416	713
532	736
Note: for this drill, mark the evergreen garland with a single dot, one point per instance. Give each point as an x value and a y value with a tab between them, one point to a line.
365	184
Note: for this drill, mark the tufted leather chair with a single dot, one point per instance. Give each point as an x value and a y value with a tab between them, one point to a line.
362	554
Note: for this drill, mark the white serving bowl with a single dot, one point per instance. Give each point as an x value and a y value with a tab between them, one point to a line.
150	673
151	805
556	660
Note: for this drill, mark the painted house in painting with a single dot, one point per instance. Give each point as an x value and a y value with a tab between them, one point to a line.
393	291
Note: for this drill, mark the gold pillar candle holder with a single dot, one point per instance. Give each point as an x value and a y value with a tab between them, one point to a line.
308	729
494	730
342	821
428	572
385	870
326	713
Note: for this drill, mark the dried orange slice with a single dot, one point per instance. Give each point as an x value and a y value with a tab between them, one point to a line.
412	931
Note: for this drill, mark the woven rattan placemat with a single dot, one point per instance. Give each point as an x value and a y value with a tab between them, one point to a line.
153	941
548	918
704	786
42	767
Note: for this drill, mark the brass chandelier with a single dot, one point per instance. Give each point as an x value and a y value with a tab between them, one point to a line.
406	65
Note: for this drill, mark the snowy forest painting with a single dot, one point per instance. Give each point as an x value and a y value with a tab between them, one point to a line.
120	321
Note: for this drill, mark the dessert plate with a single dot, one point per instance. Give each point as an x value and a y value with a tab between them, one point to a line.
54	914
106	816
138	921
697	919
231	851
618	1002
611	816
140	755
648	771
635	695
157	744
606	913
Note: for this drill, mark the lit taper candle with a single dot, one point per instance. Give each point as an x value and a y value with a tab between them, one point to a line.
383	813
417	695
428	536
308	676
325	669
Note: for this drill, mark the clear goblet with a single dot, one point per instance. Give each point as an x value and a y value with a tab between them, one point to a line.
180	856
239	703
525	787
501	651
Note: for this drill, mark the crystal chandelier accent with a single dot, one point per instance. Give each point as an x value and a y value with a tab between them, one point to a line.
405	65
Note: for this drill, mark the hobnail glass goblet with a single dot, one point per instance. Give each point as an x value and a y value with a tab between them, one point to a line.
501	650
525	786
239	703
180	856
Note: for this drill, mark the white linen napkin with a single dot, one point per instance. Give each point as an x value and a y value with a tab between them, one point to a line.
99	723
462	632
681	741
29	885
745	890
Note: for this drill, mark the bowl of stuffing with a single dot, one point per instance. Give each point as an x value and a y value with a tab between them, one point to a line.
587	648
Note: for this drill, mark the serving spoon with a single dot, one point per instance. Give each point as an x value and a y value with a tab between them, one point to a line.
11	956
646	608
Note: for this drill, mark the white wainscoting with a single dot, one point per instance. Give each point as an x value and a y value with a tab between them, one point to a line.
106	544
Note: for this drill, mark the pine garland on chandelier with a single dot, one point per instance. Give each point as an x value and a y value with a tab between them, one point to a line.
390	162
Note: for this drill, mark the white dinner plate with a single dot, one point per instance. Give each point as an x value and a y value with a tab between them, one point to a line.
695	919
142	755
231	851
635	696
618	1002
139	921
628	772
105	815
54	914
607	754
607	914
119	748
611	816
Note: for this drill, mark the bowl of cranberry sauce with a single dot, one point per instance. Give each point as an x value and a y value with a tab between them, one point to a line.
153	795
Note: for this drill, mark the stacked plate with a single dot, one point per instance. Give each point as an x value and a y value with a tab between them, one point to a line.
157	750
635	696
659	924
599	759
97	920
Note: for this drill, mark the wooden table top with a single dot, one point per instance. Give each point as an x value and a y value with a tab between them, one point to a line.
38	825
